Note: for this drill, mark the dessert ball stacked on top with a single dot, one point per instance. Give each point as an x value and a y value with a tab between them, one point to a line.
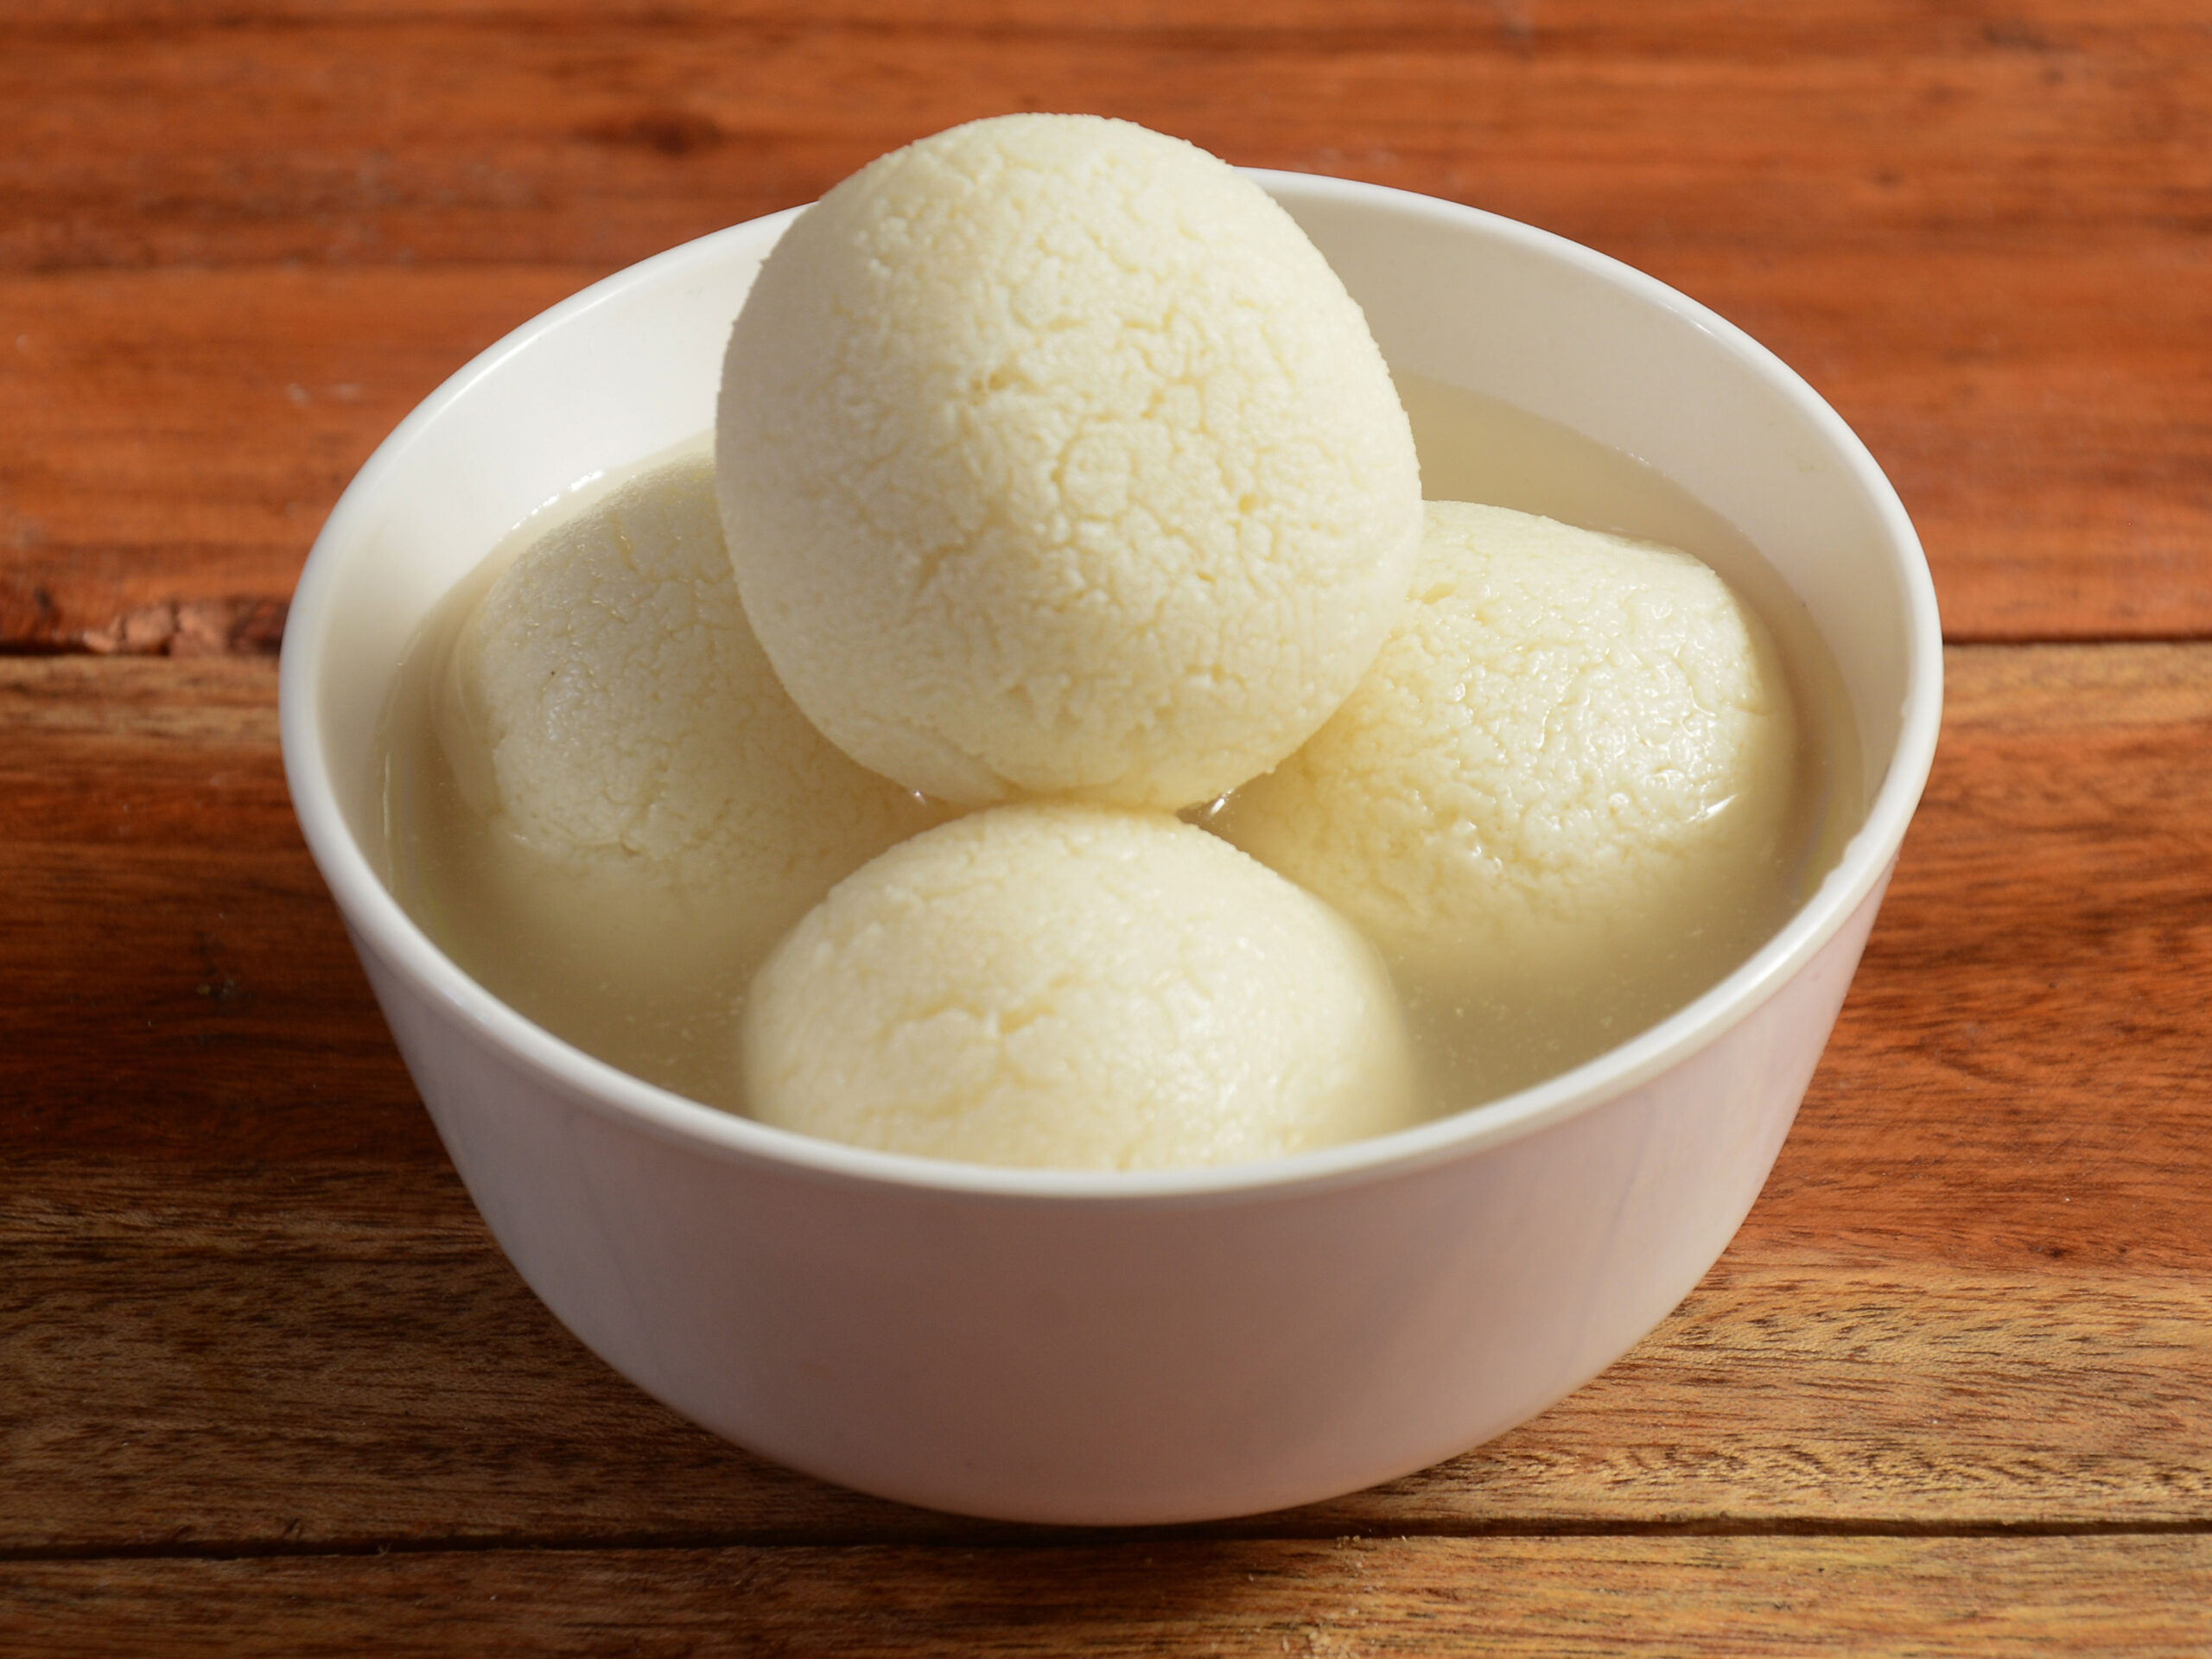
1062	480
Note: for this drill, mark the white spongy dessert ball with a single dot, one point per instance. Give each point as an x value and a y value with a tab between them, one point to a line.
1573	762
1057	460
607	704
1069	987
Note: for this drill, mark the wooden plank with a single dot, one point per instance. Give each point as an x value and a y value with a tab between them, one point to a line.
179	983
227	1361
1978	228
195	427
247	1303
1992	1598
2039	970
195	430
535	133
2024	1063
2050	436
329	1357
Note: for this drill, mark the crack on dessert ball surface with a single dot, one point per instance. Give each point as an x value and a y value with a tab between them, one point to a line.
1056	461
1064	986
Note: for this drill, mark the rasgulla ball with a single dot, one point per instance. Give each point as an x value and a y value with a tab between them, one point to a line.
1056	461
607	704
1061	986
1566	780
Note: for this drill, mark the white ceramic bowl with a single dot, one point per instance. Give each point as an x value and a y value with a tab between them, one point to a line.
1137	1348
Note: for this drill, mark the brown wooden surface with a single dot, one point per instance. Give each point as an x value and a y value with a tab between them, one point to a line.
1532	1597
267	1387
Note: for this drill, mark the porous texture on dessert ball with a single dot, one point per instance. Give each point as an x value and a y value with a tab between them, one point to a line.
1571	763
607	704
1057	460
1070	987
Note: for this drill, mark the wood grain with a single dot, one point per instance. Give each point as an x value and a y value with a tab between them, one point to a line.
1990	1597
224	1362
2025	1059
179	982
197	427
542	133
267	1386
248	1306
1984	232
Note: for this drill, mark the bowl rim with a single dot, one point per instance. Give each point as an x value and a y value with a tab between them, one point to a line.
380	926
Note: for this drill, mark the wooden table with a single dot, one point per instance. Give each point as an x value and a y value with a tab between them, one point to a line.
266	1386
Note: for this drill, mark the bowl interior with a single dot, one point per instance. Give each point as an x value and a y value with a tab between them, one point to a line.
629	368
1561	332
